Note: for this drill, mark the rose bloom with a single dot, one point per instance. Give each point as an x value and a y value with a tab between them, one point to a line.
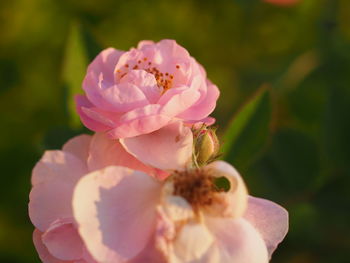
55	176
125	215
144	89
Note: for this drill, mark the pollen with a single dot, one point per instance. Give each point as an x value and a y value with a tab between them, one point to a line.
197	187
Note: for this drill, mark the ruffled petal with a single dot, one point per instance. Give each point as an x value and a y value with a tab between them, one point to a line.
168	148
177	100
105	63
269	219
192	243
236	241
53	179
205	105
63	241
44	254
116	218
78	146
106	152
145	82
234	202
91	117
140	121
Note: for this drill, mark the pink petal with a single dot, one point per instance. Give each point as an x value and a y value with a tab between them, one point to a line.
113	97
117	217
63	241
140	121
234	202
145	82
144	43
124	97
203	107
89	120
169	48
236	241
169	148
78	146
53	179
105	152
270	219
191	243
105	63
178	100
44	254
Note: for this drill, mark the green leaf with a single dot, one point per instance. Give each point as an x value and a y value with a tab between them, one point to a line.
74	69
247	133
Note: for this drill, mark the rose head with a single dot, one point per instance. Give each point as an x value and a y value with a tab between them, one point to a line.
53	180
142	90
130	217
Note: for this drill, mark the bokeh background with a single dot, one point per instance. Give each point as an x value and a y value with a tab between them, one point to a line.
295	149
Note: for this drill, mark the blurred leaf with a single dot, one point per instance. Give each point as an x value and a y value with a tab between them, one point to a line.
248	131
74	69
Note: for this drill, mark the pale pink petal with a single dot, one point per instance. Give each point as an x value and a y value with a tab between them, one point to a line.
53	179
192	242
44	254
140	121
89	121
113	97
145	82
124	97
105	62
269	219
236	241
78	146
169	48
63	241
234	202
178	100
144	43
117	217
204	106
105	152
168	148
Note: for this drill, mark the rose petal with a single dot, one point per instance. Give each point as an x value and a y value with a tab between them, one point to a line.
236	241
117	217
140	121
63	241
105	152
168	148
90	120
234	202
145	82
44	254
53	179
270	220
178	100
191	243
205	105
78	146
105	62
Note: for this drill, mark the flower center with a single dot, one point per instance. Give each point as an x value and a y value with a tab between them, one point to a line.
197	186
164	79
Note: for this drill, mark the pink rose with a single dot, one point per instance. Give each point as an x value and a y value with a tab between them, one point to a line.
128	216
144	89
55	176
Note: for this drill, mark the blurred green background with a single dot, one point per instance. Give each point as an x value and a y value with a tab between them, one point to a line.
293	146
